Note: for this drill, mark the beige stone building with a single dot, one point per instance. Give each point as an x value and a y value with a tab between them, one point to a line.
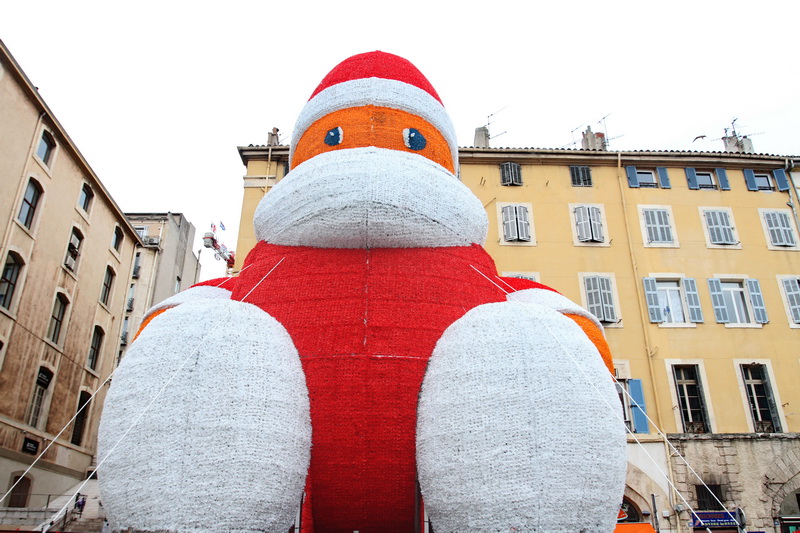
692	262
67	252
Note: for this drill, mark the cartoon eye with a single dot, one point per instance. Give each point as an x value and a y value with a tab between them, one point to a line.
414	139
334	137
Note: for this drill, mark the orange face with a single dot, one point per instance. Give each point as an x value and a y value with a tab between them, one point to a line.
383	127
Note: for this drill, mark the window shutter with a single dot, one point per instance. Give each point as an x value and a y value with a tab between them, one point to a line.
633	179
638	409
523	224
719	227
792	289
722	178
663	227
593	298
510	174
750	179
607	296
780	179
691	178
583	224
692	300
757	301
663	178
718	301
510	223
780	229
581	176
597	224
651	296
773	406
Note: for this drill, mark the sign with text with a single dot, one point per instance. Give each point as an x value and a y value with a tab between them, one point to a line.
713	519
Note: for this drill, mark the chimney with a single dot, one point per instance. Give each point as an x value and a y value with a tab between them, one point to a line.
481	137
592	140
734	143
272	137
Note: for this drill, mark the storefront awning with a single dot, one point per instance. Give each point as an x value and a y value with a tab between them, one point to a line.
634	528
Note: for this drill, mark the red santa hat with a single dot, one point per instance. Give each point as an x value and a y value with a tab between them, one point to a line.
379	79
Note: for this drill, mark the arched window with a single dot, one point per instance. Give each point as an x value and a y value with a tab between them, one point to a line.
73	250
47	146
29	203
36	407
95	347
116	241
8	281
80	418
108	283
22	490
57	318
85	198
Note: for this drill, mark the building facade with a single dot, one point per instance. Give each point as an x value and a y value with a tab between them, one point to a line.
692	262
67	250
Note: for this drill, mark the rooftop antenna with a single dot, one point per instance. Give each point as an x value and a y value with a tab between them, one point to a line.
489	122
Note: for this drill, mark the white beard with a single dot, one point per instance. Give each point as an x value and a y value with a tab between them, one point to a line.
370	198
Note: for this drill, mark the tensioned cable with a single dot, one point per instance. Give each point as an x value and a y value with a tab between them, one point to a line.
191	354
619	417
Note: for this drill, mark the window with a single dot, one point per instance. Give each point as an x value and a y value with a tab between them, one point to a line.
29	202
791	291
690	399
648	178
720	227
85	198
95	347
178	284
589	223
137	265
581	176
73	250
709	498
131	292
763	409
737	301
141	230
38	399
510	174
672	301
631	395
707	178
116	240
779	228
600	298
81	416
766	181
57	318
516	223
46	147
124	335
657	225
8	282
108	282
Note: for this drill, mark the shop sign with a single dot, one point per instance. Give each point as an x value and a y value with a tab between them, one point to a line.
702	519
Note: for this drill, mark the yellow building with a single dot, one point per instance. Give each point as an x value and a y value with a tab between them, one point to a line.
67	251
692	262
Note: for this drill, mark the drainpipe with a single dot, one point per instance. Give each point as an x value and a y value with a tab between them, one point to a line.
789	166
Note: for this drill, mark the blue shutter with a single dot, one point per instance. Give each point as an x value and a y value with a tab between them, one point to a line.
750	179
523	223
651	297
583	223
757	301
780	179
594	301
596	221
692	300
718	301
638	410
633	179
722	177
510	223
663	177
792	289
691	178
607	296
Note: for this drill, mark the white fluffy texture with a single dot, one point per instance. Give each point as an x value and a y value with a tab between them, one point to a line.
510	435
370	197
553	300
192	294
378	92
226	446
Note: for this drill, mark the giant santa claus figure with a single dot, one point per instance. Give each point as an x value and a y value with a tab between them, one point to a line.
368	362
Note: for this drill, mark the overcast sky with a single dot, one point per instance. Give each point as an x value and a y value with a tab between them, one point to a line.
158	95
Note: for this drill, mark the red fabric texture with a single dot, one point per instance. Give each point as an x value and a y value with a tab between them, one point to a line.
376	65
223	283
365	323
